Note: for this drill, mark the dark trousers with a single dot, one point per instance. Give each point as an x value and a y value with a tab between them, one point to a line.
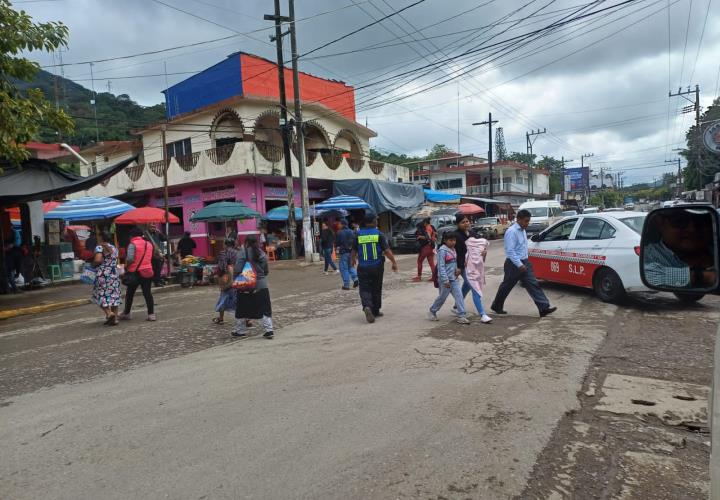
327	255
371	282
146	286
157	264
512	276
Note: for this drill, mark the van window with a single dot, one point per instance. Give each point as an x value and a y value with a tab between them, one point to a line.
538	211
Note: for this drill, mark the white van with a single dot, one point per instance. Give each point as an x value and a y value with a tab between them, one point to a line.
544	213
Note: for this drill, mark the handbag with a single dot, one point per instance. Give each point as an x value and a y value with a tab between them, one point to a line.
246	281
89	274
132	278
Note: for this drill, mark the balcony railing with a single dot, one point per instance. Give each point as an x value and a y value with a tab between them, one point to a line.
508	187
156	167
135	172
220	155
270	152
188	162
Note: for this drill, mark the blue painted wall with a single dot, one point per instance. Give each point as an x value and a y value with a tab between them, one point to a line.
217	83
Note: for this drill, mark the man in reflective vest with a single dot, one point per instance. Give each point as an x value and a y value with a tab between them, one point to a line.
369	251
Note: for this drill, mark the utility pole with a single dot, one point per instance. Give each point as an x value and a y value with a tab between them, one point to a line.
489	122
94	103
308	238
530	142
689	109
166	161
284	129
678	182
564	161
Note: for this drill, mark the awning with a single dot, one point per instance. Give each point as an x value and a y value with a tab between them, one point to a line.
401	199
40	180
440	197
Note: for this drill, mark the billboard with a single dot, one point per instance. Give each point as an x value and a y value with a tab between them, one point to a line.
577	179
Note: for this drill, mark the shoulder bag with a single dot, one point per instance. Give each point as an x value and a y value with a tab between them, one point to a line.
132	278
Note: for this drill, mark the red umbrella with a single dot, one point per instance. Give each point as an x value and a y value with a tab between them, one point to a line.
145	215
470	209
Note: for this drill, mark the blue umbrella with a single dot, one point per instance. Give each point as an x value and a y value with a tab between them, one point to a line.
89	208
344	201
281	213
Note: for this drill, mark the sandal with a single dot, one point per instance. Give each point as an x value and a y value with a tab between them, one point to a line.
112	320
218	321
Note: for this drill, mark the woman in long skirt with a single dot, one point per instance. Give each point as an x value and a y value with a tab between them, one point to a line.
255	304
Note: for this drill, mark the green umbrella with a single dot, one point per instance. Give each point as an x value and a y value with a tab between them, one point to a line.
224	211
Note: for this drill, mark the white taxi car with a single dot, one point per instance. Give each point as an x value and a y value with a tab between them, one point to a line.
599	251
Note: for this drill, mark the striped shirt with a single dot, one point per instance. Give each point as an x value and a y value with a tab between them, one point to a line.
663	268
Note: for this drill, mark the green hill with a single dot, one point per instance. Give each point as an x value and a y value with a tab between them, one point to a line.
117	115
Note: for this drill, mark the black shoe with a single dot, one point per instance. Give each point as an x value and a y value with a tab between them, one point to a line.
269	335
356	284
346	288
369	316
547	311
378	314
498	311
240	335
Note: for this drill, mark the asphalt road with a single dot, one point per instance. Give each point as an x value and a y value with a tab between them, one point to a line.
331	408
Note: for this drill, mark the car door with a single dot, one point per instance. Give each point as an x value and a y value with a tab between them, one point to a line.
586	250
546	254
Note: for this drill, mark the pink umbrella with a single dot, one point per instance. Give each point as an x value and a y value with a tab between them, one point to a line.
146	215
470	209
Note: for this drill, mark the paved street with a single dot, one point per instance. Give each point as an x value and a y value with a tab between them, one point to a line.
336	408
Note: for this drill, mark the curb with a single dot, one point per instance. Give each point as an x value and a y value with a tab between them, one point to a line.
54	306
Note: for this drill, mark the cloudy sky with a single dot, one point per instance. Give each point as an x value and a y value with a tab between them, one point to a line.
598	84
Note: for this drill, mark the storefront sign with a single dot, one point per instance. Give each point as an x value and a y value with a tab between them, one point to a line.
281	193
711	137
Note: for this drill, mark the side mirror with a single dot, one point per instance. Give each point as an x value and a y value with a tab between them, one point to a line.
536	238
679	250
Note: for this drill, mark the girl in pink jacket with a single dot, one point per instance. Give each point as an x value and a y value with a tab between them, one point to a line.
475	270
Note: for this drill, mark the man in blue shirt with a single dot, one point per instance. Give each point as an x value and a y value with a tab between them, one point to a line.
518	268
344	241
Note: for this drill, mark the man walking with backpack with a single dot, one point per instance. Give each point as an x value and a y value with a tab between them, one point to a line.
344	241
370	248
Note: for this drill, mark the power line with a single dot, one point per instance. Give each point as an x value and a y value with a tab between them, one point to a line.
702	34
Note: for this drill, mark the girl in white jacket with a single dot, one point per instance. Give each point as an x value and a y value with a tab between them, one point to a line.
475	270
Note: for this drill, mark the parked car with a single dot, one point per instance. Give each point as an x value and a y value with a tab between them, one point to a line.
403	233
599	251
491	227
544	213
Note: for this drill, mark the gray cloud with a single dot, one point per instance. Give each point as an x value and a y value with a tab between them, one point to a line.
610	78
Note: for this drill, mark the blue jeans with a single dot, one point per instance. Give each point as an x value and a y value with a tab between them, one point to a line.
465	286
347	271
477	299
327	255
456	292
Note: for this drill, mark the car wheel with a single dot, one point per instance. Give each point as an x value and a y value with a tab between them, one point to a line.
689	298
608	286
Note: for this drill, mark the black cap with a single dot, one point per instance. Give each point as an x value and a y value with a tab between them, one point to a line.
370	217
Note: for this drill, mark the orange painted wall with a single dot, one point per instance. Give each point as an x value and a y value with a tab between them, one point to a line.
260	78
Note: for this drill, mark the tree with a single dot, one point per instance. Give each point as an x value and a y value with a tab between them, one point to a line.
524	158
23	113
500	150
439	151
702	165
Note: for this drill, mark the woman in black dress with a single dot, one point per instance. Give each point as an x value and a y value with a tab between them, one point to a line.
256	303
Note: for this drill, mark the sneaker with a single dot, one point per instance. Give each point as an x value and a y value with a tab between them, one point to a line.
431	316
356	284
346	288
337	271
378	314
269	335
124	317
547	311
238	334
325	273
463	320
485	319
498	311
369	316
151	317
455	311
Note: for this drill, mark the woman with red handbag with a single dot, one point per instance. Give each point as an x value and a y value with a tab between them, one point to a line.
138	273
253	301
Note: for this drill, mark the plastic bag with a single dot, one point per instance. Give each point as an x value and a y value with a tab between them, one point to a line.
246	281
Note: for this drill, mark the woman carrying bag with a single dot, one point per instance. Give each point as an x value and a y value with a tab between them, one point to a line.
138	273
228	295
252	303
106	287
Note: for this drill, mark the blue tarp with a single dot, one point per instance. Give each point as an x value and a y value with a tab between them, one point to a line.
401	199
440	197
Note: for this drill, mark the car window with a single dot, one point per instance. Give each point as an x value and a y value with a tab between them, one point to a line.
634	223
538	211
591	229
561	232
607	232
